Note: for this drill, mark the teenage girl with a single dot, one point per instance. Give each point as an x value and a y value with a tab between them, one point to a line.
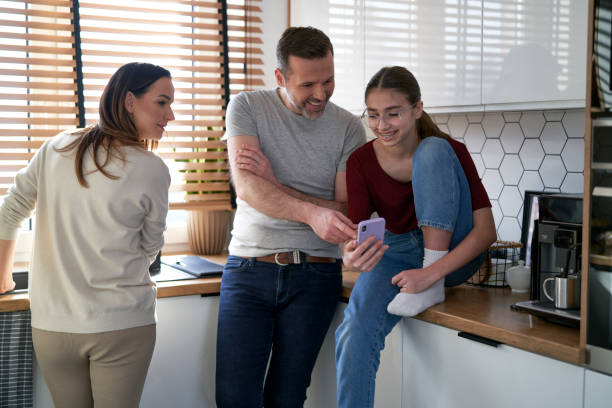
438	219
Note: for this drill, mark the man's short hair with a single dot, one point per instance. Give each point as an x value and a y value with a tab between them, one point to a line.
303	42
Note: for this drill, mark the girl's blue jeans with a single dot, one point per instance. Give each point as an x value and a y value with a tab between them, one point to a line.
442	200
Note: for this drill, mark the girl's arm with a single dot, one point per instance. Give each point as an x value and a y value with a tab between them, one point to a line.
476	242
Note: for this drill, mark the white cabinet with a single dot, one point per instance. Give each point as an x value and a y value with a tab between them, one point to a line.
439	43
182	371
597	390
444	370
322	390
534	52
468	55
344	25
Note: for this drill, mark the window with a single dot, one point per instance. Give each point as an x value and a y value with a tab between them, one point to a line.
57	56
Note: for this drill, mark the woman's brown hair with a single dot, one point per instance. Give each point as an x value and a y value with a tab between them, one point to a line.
115	127
401	80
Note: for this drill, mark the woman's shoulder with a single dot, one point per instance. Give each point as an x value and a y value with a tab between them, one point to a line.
145	167
145	157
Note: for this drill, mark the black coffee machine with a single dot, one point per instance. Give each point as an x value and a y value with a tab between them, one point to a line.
556	247
557	240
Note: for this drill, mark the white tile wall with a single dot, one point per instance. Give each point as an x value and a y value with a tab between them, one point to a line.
518	151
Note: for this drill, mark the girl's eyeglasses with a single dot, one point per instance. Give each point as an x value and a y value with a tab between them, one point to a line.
390	118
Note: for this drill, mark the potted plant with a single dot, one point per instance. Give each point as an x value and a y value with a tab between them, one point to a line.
208	201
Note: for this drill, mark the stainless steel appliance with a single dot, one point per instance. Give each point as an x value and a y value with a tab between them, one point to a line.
599	322
599	304
556	249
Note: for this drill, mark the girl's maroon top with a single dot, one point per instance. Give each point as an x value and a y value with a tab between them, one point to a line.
371	189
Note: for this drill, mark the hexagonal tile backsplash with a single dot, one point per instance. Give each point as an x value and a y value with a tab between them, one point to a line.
518	151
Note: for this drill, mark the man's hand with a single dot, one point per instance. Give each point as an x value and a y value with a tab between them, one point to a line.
361	258
414	280
331	226
250	158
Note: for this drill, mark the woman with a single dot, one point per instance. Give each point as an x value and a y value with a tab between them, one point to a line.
427	188
101	202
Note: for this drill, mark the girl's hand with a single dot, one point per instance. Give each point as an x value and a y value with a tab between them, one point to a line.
361	258
250	158
414	280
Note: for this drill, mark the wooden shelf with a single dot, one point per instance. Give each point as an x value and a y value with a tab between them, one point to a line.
602	260
601	166
599	191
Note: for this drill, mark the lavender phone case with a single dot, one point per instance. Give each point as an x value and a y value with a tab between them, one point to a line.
367	228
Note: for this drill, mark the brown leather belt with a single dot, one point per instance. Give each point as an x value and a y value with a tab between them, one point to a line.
294	257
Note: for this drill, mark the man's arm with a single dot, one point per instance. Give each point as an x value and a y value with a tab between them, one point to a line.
270	198
337	204
252	159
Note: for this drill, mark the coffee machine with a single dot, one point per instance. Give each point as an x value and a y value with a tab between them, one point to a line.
556	252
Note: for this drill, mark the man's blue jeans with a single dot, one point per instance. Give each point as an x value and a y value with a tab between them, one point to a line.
285	310
442	200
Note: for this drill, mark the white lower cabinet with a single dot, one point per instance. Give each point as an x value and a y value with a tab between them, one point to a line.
182	371
597	390
322	390
443	370
422	365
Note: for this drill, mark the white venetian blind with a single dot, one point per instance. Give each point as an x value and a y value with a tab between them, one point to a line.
37	79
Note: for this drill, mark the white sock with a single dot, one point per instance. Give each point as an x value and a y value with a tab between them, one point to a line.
411	304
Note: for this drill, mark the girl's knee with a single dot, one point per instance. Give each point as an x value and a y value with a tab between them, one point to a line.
431	150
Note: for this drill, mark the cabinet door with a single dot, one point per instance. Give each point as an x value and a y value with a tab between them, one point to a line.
182	371
597	390
322	390
437	41
442	369
534	52
343	23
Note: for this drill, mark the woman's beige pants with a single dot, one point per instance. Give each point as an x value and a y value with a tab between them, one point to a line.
105	370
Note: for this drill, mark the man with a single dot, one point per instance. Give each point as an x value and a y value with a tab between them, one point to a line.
287	149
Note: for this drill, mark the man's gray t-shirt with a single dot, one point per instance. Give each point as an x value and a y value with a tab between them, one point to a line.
305	154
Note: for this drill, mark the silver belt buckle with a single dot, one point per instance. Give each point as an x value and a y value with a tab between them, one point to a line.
296	258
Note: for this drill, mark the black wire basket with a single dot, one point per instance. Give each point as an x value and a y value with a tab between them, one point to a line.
500	257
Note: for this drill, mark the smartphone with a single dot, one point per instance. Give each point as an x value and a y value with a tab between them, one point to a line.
372	227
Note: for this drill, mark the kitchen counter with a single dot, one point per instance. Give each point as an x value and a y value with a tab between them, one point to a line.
486	312
481	311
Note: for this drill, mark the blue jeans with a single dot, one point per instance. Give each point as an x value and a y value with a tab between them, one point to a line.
442	200
285	310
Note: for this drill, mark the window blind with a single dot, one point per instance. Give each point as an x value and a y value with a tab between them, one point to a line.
212	49
37	79
201	43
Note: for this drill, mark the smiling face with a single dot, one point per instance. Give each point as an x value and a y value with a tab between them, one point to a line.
308	85
151	112
391	116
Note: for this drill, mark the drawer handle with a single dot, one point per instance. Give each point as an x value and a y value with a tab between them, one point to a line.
479	339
